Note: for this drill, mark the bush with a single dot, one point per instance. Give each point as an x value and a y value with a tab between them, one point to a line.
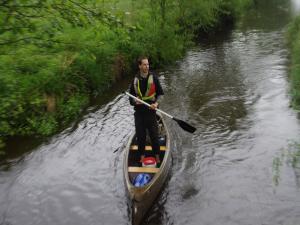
50	64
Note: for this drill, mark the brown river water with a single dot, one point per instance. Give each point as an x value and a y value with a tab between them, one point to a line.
234	88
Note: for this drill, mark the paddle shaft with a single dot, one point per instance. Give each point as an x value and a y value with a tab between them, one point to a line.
145	103
184	125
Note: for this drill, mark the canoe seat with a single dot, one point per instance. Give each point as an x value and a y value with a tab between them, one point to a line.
132	169
147	148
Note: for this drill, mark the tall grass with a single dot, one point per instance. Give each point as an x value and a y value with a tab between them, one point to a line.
290	157
294	42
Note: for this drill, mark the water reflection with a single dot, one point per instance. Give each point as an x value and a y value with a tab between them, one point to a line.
295	5
268	15
236	93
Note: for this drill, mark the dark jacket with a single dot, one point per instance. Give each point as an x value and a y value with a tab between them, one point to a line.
143	88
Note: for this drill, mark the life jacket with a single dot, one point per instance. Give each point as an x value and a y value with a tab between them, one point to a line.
150	92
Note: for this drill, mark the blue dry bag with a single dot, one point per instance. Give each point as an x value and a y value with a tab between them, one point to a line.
141	180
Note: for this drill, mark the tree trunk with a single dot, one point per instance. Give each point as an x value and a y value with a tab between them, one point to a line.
51	103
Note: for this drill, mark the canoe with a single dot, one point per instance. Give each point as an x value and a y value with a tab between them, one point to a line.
142	198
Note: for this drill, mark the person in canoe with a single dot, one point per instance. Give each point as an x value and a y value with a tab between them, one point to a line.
146	86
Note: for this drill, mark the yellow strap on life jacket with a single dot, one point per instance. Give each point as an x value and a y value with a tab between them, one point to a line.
149	84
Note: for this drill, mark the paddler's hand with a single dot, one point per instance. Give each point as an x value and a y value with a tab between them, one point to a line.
154	106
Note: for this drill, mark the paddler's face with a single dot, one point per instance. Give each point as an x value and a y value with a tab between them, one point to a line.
144	66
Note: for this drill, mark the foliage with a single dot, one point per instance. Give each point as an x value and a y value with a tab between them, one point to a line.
294	42
291	156
70	109
277	163
206	15
55	53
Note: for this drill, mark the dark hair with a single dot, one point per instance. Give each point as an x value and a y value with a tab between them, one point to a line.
141	58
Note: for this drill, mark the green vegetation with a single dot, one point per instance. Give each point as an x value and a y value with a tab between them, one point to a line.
291	156
55	54
294	41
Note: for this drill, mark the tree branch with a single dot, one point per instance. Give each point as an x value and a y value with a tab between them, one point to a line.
84	8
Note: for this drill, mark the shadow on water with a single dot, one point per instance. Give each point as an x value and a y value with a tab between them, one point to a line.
268	15
217	91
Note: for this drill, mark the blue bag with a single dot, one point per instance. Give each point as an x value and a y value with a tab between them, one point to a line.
142	179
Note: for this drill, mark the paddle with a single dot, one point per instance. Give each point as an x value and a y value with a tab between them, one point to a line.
184	125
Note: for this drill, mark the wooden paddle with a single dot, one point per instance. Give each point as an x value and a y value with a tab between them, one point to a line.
184	125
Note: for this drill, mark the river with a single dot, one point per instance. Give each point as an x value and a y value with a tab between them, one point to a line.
233	87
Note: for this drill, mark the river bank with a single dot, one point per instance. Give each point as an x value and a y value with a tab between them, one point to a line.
294	43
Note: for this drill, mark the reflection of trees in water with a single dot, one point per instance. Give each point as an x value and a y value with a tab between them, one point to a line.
218	94
21	147
209	88
210	80
295	5
267	15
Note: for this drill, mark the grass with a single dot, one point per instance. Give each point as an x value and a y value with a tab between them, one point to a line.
289	156
293	37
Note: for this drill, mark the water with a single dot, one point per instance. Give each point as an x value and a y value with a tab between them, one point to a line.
234	88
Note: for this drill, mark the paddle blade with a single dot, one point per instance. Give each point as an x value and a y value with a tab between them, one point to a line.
187	127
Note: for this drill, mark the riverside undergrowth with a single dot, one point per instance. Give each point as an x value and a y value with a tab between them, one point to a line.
55	54
294	43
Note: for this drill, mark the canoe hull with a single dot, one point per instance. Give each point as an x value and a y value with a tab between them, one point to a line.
142	202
